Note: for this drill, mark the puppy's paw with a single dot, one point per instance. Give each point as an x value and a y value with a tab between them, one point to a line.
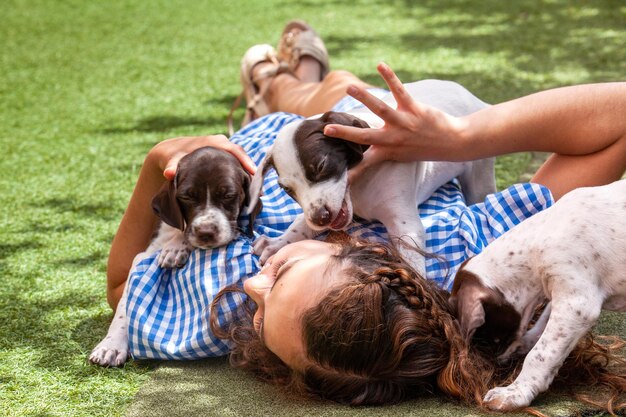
507	398
174	255
265	247
110	352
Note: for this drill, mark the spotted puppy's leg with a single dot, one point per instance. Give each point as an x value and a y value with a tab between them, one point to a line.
265	246
529	340
113	349
574	312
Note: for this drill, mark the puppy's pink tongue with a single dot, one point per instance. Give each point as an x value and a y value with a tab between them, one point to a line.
342	218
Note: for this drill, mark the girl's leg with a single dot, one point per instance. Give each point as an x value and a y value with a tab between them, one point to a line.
298	93
563	173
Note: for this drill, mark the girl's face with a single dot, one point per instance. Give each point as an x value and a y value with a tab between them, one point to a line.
290	282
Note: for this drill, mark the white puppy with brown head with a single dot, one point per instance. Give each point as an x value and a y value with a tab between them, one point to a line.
571	254
313	169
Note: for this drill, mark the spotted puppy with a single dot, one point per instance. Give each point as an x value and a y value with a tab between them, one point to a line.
199	208
313	169
571	254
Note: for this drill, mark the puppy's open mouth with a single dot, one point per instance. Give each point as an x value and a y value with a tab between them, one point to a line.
342	218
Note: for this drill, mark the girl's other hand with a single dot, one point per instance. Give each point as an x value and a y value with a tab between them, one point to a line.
166	154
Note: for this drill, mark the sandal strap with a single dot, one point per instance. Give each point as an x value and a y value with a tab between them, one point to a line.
256	105
234	107
300	39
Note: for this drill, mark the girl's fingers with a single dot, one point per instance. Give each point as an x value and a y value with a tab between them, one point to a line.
403	98
376	105
170	169
221	141
169	173
359	135
353	134
245	160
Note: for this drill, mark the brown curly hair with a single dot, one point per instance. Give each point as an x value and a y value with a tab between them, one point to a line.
395	337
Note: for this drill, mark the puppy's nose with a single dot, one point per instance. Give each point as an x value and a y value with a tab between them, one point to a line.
321	216
205	234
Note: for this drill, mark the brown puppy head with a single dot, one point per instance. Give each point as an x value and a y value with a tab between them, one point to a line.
205	198
323	157
487	319
304	158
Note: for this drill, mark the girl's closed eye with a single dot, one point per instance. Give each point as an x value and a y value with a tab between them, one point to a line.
276	267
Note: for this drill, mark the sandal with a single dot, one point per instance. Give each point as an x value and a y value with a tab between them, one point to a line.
299	39
255	101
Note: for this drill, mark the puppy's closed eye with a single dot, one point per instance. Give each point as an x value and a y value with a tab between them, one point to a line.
317	169
190	195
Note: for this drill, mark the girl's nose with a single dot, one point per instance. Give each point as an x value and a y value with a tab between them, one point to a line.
257	287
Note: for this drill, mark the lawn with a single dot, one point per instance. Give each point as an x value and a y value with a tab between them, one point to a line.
88	87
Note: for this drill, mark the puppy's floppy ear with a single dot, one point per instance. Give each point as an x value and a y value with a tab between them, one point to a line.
360	123
354	151
470	312
166	206
247	180
256	187
467	302
245	183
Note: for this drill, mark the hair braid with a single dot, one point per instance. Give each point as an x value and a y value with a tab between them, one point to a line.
458	376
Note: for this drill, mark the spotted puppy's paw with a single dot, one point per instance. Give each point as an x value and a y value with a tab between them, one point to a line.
265	247
174	253
110	351
507	398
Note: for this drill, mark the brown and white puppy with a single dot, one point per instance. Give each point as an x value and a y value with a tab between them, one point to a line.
571	254
313	169
199	208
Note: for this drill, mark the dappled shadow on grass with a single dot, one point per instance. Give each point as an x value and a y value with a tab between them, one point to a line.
94	260
168	122
101	210
160	124
212	387
9	249
31	321
90	331
550	40
223	102
34	227
41	326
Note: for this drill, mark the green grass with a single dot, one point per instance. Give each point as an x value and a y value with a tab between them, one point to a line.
87	87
